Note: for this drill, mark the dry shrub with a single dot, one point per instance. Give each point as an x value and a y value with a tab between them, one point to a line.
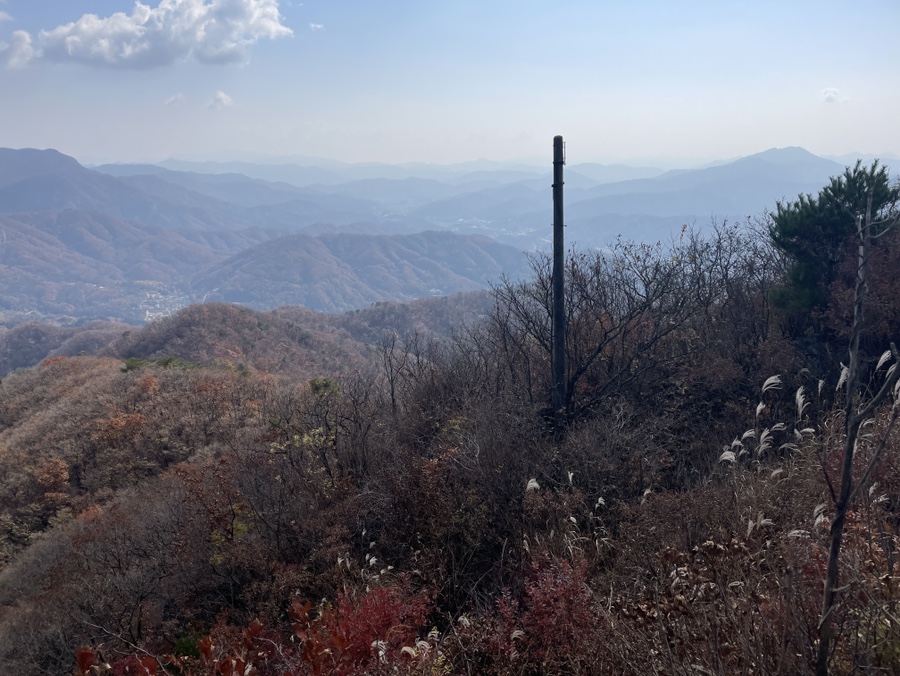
551	625
361	631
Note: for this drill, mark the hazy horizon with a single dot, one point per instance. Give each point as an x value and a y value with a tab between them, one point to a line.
648	83
478	164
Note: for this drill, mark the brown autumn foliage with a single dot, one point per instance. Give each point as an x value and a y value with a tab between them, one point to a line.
288	340
30	343
882	311
408	510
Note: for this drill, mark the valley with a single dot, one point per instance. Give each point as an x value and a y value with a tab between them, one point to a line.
132	243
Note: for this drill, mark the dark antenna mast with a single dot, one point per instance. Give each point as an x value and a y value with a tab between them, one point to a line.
558	400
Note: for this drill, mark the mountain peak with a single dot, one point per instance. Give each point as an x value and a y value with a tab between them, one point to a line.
788	155
19	164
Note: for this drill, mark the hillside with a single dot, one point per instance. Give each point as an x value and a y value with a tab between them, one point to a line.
217	334
73	265
289	340
344	271
227	484
130	243
29	343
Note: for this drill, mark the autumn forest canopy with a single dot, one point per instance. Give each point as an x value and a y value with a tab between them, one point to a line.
234	490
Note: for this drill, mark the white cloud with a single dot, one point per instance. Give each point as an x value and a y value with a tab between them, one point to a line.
221	100
4	16
316	26
19	52
832	95
174	100
211	31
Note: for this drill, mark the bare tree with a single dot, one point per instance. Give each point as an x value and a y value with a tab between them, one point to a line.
624	305
869	225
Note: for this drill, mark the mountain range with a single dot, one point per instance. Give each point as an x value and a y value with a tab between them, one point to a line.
511	202
131	242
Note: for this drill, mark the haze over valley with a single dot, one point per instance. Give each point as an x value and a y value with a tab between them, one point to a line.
130	243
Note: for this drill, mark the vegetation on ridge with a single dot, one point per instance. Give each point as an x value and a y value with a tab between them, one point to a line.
412	513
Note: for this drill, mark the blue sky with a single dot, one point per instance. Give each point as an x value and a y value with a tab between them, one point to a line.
448	80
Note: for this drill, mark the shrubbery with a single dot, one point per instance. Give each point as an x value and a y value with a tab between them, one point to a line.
418	515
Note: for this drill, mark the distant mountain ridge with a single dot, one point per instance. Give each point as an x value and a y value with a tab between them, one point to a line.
128	242
78	244
511	203
51	181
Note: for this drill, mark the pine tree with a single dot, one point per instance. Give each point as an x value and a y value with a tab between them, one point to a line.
817	234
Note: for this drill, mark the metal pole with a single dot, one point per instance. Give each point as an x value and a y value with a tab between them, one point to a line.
559	307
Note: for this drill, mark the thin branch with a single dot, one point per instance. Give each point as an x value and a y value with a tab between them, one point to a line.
131	645
895	413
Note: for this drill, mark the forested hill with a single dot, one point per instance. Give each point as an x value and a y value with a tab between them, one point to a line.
289	340
335	272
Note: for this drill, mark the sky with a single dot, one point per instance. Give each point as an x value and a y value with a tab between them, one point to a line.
651	82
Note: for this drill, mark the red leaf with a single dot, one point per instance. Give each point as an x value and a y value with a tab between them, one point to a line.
205	647
84	656
150	664
251	632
